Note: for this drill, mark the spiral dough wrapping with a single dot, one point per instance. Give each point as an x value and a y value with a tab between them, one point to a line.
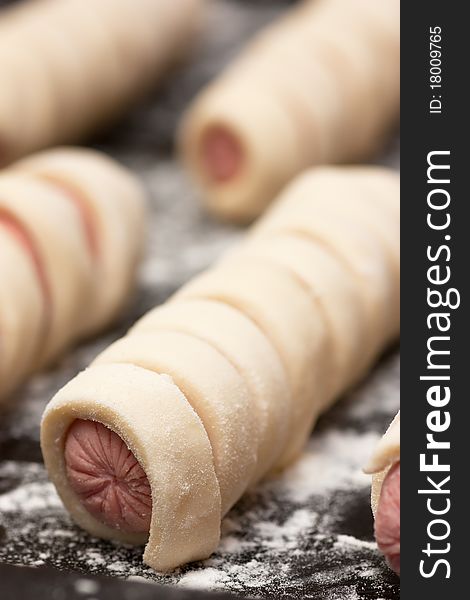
68	67
319	86
247	355
71	232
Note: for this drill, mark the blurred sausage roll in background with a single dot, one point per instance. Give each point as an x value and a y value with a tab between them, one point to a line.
71	235
70	66
320	85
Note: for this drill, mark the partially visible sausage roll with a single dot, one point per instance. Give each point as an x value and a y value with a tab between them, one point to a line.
320	85
71	235
68	67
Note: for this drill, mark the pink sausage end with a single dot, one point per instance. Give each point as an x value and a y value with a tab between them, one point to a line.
387	520
221	153
107	478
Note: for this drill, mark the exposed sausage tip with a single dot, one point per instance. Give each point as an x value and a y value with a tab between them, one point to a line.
107	477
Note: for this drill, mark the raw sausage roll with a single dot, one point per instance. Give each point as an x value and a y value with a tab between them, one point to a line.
70	66
321	85
255	349
385	496
71	230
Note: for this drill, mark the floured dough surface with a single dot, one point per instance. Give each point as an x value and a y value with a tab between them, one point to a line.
282	308
361	251
66	264
333	292
245	346
212	387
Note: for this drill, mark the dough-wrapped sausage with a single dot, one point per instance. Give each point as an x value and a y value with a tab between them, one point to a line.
258	346
71	231
235	336
221	402
155	420
111	205
68	67
320	85
22	307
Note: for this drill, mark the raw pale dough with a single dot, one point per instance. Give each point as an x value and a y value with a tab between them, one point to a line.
320	85
72	229
381	217
259	346
113	203
55	226
222	402
315	210
21	312
262	291
243	344
67	67
333	289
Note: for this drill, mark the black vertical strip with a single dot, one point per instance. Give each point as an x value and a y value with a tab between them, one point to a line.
426	410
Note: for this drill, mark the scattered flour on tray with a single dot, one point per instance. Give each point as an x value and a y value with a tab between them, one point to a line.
332	461
30	497
34	494
383	390
206	579
345	541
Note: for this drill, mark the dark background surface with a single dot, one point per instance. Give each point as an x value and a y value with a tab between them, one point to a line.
307	534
